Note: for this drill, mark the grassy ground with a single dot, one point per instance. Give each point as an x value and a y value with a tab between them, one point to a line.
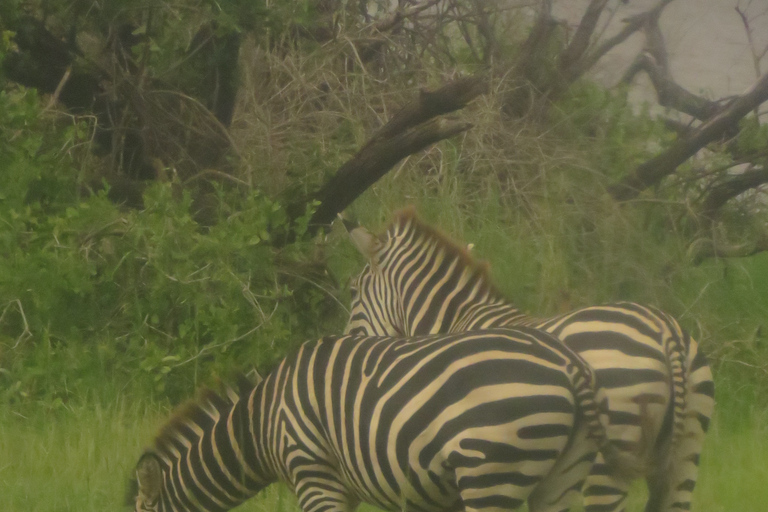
58	458
79	459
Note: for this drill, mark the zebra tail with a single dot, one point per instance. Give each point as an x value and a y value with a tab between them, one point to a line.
594	407
676	351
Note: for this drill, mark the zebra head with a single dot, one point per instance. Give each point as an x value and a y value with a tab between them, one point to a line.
205	459
146	487
375	309
416	281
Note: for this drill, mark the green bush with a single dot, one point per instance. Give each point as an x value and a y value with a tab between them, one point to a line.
92	295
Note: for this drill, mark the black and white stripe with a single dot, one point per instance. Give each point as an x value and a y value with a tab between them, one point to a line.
659	385
479	421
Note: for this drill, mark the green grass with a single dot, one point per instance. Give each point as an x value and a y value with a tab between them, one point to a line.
70	458
79	459
734	471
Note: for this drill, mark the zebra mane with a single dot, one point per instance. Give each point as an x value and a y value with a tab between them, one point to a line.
198	410
194	411
408	219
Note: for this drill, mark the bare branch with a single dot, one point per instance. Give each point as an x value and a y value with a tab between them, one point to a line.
669	93
704	249
449	98
412	129
632	25
734	186
396	18
373	162
654	170
526	76
748	30
583	34
680	128
655	62
486	30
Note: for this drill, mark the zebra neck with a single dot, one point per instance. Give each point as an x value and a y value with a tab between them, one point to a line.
212	460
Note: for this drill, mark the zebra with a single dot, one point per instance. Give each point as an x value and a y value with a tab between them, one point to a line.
478	421
658	383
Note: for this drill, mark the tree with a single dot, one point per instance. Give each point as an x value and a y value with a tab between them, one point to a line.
163	105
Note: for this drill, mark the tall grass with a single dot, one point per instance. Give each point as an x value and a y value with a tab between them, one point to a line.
79	459
70	458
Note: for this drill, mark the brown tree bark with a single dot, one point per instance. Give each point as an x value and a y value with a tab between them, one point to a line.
734	186
654	170
412	129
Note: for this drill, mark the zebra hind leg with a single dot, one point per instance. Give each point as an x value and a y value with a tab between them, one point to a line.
605	491
486	491
561	488
492	483
671	489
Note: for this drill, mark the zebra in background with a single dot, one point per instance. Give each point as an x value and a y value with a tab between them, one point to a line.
658	383
479	421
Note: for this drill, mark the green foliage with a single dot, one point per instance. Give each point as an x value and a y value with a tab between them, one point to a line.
753	137
605	123
147	299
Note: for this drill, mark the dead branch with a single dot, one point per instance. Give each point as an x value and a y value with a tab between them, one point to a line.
654	170
680	128
373	162
707	248
631	25
412	129
655	62
672	95
487	32
449	98
530	76
734	186
756	57
583	35
396	19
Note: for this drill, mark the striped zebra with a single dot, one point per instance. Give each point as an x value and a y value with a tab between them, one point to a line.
658	384
479	421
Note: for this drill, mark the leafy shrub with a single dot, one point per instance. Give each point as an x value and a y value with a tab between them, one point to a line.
93	296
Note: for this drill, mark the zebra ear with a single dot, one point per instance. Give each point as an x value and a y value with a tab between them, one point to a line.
149	478
349	224
365	241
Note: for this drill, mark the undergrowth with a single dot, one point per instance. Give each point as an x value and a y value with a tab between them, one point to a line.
95	296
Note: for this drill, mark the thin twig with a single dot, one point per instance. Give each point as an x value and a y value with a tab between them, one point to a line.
26	334
55	97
